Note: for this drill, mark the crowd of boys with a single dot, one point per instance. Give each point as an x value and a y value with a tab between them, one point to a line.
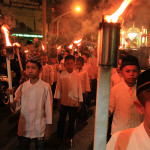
73	83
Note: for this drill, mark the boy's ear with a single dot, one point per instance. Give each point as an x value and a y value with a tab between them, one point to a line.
139	107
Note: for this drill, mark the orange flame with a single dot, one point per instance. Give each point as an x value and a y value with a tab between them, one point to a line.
79	44
16	44
114	17
70	46
26	51
43	48
77	41
6	32
58	47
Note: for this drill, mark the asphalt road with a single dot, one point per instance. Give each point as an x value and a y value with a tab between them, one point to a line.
83	139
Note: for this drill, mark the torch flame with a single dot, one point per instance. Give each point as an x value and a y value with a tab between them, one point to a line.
6	32
114	17
70	46
77	41
16	44
26	51
58	47
79	44
43	48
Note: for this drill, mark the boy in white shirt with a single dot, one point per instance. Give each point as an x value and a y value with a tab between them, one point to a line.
47	73
136	138
85	87
69	94
34	98
123	95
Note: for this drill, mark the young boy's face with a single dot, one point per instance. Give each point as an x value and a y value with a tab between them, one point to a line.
69	64
79	65
32	70
130	74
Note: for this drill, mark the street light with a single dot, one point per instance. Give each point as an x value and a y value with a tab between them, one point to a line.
77	9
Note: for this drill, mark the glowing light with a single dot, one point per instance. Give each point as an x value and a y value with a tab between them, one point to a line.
77	41
16	44
43	48
132	36
79	44
78	9
59	47
70	46
27	35
114	17
26	51
6	32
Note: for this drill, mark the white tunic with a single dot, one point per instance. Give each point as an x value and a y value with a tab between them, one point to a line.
121	104
47	74
36	108
139	140
69	89
84	80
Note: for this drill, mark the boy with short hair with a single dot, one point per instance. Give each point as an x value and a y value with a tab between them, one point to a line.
69	94
34	98
136	138
47	73
123	95
85	86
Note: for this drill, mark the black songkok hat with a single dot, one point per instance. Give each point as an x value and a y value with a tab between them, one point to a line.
129	60
34	57
143	81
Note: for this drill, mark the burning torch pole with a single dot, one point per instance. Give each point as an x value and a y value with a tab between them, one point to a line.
9	56
108	44
16	47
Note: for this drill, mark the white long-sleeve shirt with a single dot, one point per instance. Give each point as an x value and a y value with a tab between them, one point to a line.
47	74
84	80
138	140
121	104
36	108
88	68
69	89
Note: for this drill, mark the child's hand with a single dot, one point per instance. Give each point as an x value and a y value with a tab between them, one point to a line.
13	106
9	91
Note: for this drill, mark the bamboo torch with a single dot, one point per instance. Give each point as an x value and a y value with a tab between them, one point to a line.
9	56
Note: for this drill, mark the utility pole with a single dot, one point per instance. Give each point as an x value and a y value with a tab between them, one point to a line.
44	23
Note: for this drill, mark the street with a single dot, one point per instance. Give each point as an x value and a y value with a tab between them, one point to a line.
83	139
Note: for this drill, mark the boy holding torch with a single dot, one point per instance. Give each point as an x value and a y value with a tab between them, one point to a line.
34	98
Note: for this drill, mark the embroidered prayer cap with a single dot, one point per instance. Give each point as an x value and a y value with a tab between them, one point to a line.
143	81
129	60
34	57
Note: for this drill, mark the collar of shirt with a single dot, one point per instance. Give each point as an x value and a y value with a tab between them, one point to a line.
35	83
127	87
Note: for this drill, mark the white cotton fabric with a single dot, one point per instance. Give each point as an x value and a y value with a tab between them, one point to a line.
139	140
36	108
69	89
121	104
84	80
47	74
